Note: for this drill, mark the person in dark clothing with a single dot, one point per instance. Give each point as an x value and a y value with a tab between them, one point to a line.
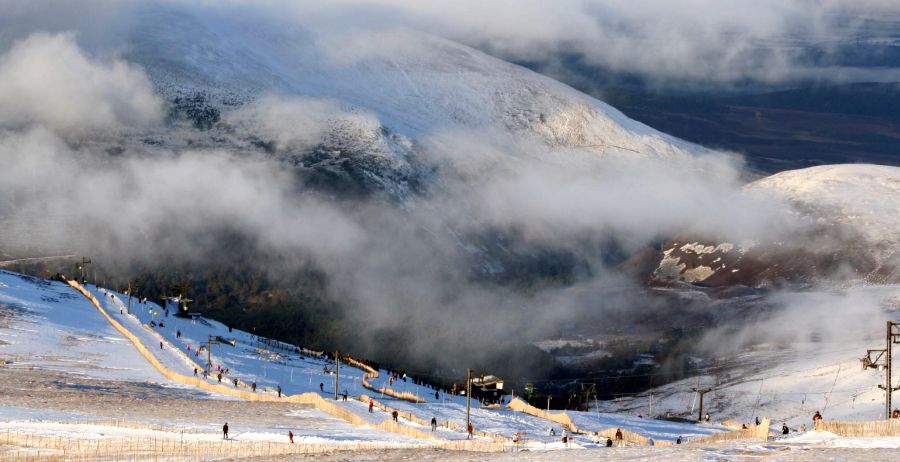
678	441
394	415
225	431
345	395
219	376
608	442
253	387
620	438
321	386
784	429
235	382
437	396
757	421
291	436
469	431
817	417
195	372
433	423
279	391
160	346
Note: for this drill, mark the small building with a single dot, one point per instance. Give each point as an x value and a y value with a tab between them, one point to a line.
488	383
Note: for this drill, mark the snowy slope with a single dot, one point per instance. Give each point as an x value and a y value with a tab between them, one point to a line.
850	231
256	359
49	325
788	383
414	83
862	196
33	308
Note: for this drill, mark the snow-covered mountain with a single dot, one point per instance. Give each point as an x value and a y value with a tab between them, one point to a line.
360	107
851	233
863	197
413	82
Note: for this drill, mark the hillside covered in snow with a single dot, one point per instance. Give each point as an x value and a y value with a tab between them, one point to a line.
849	215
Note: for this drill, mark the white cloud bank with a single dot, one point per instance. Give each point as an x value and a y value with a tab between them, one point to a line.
47	79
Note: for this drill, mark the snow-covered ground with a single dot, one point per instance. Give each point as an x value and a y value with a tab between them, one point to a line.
819	369
52	305
254	360
863	196
39	320
47	324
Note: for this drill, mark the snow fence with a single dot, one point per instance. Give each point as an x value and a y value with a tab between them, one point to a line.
565	420
752	432
52	448
561	418
447	423
313	399
889	427
372	373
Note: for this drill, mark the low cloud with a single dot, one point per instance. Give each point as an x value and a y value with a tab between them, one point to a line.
695	41
48	80
423	263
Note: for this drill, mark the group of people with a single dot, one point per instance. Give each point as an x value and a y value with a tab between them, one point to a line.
785	430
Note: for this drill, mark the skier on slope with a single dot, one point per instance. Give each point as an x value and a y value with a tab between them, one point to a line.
433	423
291	436
371	405
225	431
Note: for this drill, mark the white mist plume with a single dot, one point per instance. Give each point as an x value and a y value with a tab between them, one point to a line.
47	79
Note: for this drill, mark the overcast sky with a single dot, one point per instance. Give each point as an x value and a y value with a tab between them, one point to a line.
694	40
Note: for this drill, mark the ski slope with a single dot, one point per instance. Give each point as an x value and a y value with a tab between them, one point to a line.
253	359
55	308
47	324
